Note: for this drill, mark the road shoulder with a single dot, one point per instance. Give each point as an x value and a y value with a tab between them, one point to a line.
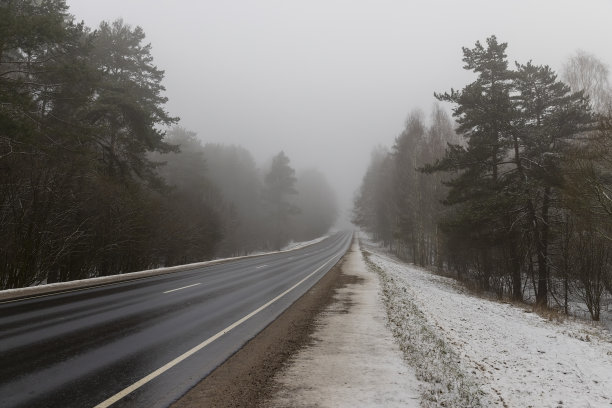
246	378
353	360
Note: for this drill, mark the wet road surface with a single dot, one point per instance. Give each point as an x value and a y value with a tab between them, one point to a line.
86	347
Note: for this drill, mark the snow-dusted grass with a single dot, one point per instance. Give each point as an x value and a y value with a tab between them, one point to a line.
445	384
471	345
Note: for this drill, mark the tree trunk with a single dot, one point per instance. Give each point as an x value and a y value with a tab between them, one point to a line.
486	269
542	248
517	292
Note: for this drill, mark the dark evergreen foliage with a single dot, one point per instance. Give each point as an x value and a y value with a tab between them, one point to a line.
279	183
526	190
91	185
80	112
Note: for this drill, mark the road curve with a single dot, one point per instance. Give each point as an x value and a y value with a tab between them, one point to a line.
144	343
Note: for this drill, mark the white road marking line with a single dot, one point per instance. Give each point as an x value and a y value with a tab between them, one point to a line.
261	266
184	287
163	369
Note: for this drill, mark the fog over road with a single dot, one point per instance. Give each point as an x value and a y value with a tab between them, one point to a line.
82	348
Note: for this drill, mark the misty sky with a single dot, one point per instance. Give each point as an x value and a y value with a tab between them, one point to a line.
328	80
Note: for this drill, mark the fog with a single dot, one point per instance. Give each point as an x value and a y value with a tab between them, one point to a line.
326	81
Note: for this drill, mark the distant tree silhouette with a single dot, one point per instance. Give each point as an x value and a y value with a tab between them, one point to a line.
279	184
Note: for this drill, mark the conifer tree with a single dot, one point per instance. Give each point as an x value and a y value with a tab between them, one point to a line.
549	121
279	184
484	113
128	106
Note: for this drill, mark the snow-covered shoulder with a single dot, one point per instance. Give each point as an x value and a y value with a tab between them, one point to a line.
497	353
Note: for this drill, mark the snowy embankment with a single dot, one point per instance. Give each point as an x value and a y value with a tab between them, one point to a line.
471	351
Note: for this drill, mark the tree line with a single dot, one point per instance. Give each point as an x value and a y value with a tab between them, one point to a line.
515	195
92	184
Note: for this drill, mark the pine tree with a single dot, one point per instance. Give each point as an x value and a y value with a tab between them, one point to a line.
279	184
41	53
484	113
550	119
128	105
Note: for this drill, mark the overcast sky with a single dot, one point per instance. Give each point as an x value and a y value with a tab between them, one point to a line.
328	80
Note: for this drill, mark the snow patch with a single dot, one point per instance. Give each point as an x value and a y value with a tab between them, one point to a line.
513	357
297	245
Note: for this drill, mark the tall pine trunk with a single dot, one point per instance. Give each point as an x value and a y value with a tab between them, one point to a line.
542	248
517	293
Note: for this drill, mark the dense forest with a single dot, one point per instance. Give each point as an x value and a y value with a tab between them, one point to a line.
97	178
513	197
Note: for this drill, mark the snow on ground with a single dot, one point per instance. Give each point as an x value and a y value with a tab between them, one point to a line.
354	361
296	245
501	354
291	246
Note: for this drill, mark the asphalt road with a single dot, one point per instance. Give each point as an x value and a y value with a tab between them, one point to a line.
144	343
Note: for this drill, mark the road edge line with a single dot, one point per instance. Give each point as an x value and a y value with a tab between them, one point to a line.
128	390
